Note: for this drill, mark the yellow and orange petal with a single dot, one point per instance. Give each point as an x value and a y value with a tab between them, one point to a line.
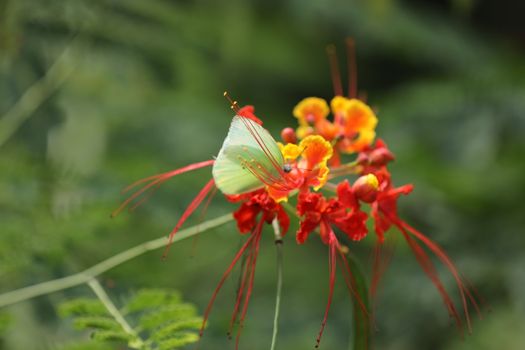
322	177
277	195
338	104
365	139
316	150
327	129
358	116
290	152
311	110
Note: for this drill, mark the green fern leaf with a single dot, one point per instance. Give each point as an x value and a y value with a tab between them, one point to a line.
167	314
96	322
151	298
163	321
171	328
82	307
116	335
178	340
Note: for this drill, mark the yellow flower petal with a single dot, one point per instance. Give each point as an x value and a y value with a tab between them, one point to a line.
338	104
290	152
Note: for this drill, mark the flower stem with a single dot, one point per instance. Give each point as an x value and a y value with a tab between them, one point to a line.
135	342
85	276
279	248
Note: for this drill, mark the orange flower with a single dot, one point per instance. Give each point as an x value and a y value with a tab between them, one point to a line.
356	119
311	110
307	164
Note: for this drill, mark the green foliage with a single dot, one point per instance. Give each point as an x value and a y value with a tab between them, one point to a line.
4	322
162	321
82	306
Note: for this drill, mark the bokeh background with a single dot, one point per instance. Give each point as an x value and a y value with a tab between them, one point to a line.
134	88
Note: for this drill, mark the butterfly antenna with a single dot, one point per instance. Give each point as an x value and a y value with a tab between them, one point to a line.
233	104
352	68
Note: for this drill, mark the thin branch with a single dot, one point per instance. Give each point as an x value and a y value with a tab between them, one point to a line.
136	342
35	95
279	247
22	294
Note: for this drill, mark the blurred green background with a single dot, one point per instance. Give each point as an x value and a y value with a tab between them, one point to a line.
135	88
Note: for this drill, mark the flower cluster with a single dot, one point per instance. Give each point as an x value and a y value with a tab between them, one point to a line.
299	177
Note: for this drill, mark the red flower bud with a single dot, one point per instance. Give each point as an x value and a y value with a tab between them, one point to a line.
363	159
366	187
381	156
288	135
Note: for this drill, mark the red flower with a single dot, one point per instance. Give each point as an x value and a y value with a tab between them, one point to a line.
316	209
255	203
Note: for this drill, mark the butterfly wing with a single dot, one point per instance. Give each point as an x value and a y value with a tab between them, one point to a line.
248	148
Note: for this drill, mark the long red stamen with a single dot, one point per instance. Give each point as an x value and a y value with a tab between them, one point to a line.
201	219
258	168
240	291
264	176
332	262
222	280
262	145
352	68
334	70
381	260
246	164
438	251
189	210
255	253
430	270
155	181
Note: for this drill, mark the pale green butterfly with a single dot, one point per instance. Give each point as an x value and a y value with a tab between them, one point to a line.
249	159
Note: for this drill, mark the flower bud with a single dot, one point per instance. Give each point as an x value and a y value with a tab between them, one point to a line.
288	135
381	156
366	187
362	159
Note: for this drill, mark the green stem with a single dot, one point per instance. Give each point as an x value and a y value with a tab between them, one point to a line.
279	247
136	342
22	294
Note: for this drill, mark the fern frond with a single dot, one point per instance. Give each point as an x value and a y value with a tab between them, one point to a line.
96	322
162	320
82	307
176	327
167	314
118	335
177	341
151	298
